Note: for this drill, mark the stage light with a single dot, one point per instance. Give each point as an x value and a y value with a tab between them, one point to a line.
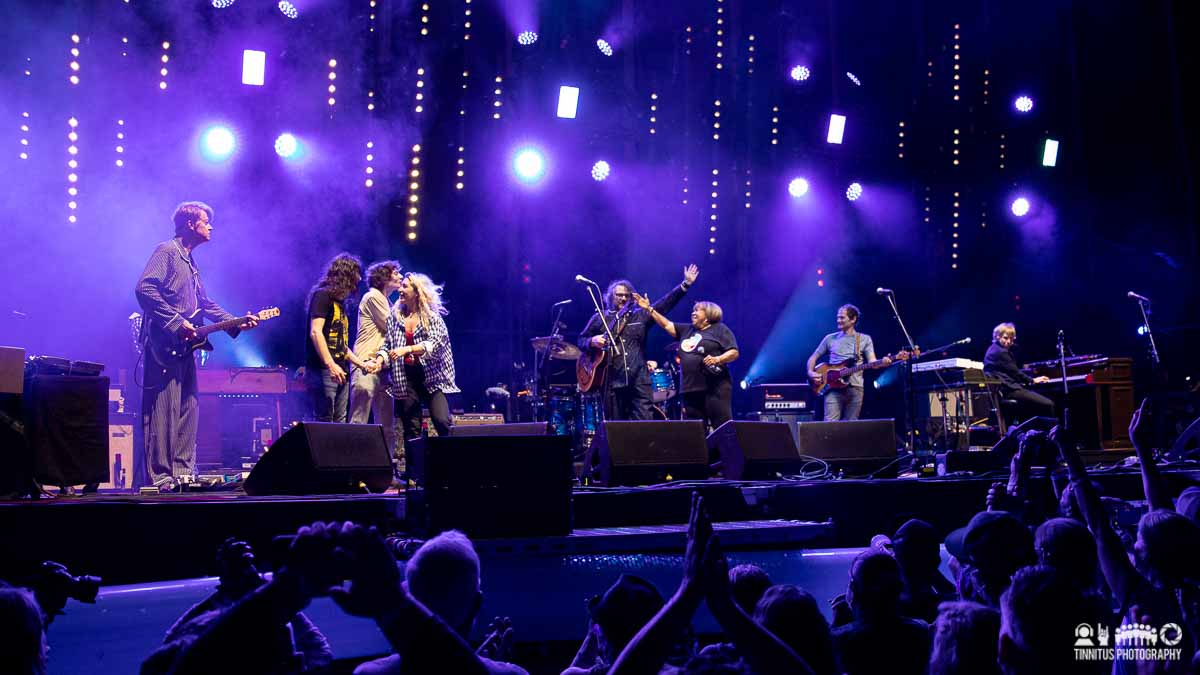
222	4
854	191
526	38
217	143
854	79
1050	153
568	101
800	73
745	384
1020	207
600	170
1141	330
288	9
1023	104
529	165
605	48
286	146
837	128
254	67
798	187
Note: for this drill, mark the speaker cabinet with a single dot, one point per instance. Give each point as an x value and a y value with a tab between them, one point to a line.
491	486
649	452
857	439
324	458
67	427
755	450
513	429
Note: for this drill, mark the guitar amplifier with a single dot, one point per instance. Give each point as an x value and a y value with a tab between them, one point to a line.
784	397
462	420
242	381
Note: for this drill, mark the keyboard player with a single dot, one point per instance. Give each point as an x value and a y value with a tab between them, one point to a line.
1000	363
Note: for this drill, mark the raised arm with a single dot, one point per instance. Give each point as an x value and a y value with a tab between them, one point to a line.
662	321
667	302
1141	432
1118	571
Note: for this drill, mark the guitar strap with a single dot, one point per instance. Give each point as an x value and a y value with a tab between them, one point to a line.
858	359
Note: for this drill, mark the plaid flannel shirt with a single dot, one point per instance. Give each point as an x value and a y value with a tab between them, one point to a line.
438	360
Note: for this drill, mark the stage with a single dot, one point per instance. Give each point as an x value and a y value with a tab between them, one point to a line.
135	539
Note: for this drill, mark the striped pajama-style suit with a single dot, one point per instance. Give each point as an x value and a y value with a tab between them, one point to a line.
169	291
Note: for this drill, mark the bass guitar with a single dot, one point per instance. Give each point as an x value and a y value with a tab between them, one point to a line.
168	347
837	377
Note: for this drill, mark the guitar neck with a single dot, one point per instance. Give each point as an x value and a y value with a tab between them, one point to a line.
211	328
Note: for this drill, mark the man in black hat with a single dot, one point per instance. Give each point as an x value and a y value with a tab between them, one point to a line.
989	550
917	549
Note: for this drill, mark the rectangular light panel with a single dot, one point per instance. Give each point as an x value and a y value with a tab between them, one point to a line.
254	67
568	101
1050	154
837	127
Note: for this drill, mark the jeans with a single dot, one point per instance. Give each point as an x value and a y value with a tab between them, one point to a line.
368	394
329	399
410	408
843	404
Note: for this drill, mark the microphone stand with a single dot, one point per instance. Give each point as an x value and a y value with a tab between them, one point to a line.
612	343
539	360
1062	364
910	402
1144	307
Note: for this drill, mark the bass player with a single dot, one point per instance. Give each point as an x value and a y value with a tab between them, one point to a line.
846	346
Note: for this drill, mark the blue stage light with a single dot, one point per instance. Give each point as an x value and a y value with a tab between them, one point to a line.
600	170
217	143
286	146
1020	207
798	187
529	165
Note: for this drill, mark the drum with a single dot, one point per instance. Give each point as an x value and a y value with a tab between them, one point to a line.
588	416
561	411
662	380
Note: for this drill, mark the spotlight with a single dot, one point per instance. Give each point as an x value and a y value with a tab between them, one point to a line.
854	191
568	101
217	143
1023	104
1141	330
745	384
837	128
1020	207
798	187
286	146
801	73
854	78
605	48
600	170
254	67
288	9
1050	153
526	38
530	165
222	4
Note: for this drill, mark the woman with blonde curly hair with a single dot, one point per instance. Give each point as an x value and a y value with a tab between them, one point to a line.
417	347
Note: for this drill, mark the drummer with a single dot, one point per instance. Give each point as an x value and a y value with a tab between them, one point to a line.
706	348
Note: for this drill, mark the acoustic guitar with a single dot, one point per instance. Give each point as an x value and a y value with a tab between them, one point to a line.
831	377
168	347
592	366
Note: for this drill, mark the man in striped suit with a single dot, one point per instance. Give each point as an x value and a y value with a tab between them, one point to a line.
170	291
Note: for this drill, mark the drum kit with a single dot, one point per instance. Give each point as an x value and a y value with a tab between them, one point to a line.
578	414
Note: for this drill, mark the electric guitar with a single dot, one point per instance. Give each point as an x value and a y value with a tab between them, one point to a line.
837	377
168	348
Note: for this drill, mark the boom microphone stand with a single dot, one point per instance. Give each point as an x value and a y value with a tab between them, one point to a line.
910	403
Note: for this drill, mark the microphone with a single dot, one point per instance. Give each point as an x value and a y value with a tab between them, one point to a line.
584	280
561	303
1140	298
884	291
964	341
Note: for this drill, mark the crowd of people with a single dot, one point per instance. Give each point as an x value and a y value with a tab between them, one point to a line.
1025	590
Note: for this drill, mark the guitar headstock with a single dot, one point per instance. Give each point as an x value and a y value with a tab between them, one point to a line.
268	313
904	355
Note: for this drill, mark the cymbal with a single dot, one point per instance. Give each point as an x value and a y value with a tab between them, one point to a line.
558	348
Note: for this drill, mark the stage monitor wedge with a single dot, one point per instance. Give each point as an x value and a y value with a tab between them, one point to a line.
324	458
649	452
755	450
857	439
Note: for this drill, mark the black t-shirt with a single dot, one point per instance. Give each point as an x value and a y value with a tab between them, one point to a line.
321	305
694	345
